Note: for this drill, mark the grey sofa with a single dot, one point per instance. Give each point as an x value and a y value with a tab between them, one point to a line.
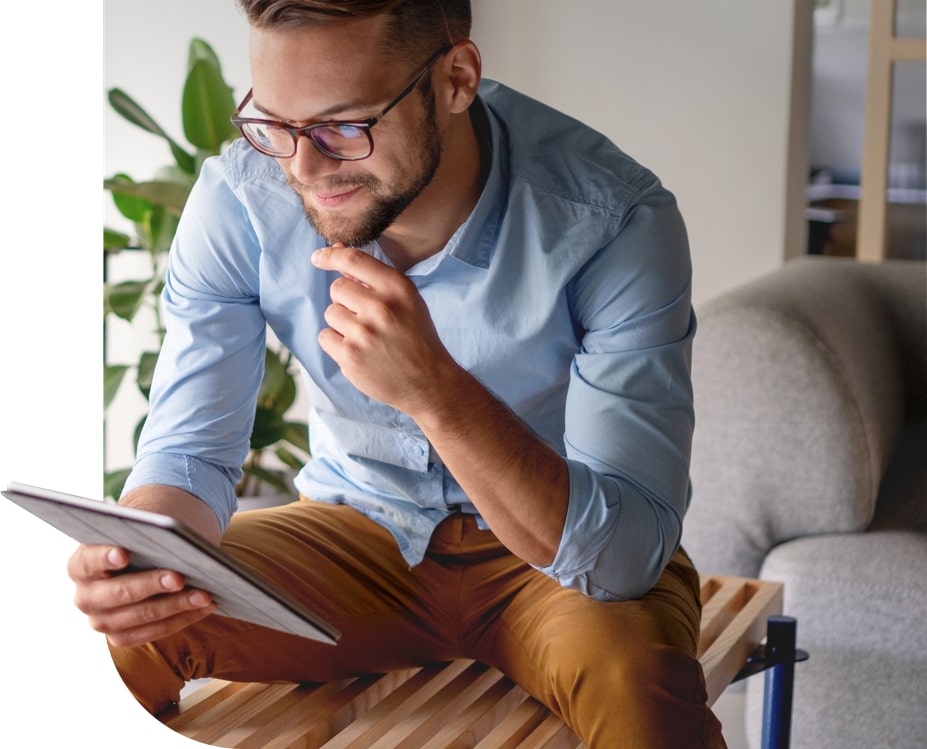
809	466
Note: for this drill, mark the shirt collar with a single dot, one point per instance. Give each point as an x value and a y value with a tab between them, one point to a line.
475	241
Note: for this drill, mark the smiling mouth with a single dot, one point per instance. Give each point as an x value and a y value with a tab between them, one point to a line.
336	198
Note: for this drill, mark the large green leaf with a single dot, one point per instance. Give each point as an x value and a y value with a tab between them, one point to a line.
268	428
171	195
113	374
113	240
201	50
274	380
113	481
297	434
272	477
207	105
126	106
288	458
131	205
124	299
160	227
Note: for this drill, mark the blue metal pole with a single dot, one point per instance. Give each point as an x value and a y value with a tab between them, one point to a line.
780	680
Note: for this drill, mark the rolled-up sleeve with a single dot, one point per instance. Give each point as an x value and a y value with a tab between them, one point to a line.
629	408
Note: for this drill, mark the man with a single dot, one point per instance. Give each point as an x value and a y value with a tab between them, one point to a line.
490	303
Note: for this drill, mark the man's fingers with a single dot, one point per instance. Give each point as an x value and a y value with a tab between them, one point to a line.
92	562
132	607
352	263
109	593
351	293
150	632
150	612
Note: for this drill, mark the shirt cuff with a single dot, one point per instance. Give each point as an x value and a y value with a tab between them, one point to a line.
205	481
614	540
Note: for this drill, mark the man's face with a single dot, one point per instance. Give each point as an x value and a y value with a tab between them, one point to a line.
336	73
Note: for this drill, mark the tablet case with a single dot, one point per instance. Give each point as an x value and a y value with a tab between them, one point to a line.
159	541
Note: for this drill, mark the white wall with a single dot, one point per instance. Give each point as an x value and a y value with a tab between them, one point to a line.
699	91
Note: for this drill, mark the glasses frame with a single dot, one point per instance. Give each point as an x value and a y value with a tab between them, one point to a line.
363	125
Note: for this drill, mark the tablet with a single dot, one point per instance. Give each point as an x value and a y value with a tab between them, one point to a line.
159	541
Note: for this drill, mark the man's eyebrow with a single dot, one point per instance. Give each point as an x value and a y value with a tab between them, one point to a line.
321	116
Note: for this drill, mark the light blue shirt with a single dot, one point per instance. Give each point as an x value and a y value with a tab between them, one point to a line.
566	293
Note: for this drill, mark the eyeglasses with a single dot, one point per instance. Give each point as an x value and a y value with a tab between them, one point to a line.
345	141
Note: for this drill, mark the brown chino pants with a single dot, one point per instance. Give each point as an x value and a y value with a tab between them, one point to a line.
620	674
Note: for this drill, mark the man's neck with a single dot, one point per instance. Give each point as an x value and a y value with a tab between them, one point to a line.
425	227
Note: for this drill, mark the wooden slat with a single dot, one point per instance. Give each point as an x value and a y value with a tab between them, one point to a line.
552	733
419	726
515	727
321	713
459	705
744	606
362	733
475	722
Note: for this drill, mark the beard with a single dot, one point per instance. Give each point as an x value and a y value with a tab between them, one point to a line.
390	199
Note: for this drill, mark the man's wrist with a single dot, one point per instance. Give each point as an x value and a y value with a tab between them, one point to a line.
179	504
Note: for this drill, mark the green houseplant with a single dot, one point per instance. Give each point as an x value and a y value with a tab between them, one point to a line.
154	208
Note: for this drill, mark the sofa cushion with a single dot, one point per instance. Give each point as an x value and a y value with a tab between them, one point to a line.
799	402
860	601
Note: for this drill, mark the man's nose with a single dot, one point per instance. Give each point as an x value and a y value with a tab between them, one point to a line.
309	163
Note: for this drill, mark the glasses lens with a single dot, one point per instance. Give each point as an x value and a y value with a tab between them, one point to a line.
342	141
268	138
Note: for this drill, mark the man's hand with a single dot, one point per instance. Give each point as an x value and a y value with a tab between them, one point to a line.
132	608
381	333
385	342
138	607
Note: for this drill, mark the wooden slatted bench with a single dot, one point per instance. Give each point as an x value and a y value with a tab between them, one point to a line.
461	704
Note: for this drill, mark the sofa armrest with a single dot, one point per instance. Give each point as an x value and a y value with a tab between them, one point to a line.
799	400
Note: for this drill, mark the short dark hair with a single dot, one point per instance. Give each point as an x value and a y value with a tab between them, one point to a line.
416	28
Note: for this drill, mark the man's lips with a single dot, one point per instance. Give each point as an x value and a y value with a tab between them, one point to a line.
336	197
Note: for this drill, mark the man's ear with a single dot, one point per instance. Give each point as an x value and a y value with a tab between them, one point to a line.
463	68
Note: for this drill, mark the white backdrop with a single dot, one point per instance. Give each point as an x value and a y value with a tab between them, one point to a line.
58	686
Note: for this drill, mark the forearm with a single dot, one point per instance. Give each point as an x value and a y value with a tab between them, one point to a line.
519	484
178	504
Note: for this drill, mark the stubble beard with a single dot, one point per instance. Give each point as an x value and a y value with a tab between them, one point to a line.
389	200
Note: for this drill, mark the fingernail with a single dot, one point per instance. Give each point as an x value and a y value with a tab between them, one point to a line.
169	582
316	256
199	599
114	557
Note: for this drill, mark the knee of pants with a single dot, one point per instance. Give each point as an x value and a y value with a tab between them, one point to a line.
633	672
